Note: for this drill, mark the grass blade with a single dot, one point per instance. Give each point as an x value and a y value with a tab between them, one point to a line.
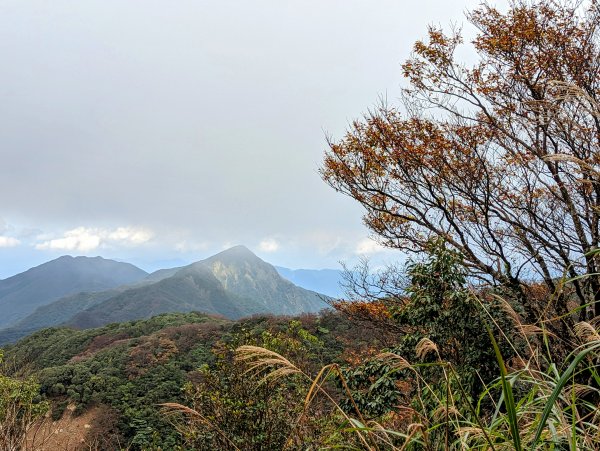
509	399
559	386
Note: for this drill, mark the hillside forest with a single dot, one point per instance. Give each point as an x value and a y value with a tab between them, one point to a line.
487	175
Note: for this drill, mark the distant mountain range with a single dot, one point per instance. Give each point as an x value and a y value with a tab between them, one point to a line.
232	284
20	295
326	281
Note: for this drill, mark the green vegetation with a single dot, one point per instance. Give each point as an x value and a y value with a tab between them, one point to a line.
437	380
431	382
233	283
458	391
129	366
20	407
180	358
488	339
439	319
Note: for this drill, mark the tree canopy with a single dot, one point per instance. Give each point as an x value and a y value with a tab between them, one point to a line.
500	158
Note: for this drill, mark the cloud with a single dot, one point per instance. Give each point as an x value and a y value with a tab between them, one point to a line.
227	245
268	245
79	239
84	239
28	233
191	246
7	241
131	235
368	246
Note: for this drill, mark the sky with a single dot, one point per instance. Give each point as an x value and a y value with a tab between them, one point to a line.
161	132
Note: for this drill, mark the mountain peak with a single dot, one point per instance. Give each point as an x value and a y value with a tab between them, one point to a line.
80	258
62	258
239	249
22	293
239	252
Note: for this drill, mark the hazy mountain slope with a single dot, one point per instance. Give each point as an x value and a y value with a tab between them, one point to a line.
63	309
161	274
243	273
21	294
326	281
190	289
233	283
54	314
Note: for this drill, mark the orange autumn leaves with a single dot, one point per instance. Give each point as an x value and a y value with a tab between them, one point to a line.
375	310
501	158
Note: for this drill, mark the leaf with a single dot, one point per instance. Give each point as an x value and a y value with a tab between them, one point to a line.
559	386
508	395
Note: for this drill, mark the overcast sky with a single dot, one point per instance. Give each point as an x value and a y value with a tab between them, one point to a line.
160	132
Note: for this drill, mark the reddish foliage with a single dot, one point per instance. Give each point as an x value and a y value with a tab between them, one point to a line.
152	351
100	343
500	158
375	310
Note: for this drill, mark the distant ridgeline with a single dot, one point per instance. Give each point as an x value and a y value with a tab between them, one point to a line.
84	292
326	281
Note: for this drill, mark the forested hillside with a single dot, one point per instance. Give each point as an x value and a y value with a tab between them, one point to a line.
485	176
131	368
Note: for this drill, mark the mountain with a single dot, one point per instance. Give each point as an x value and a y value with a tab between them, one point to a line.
54	314
161	274
190	289
21	294
326	281
244	274
62	310
232	284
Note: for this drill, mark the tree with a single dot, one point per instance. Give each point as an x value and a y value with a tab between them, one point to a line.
233	407
500	158
20	408
441	321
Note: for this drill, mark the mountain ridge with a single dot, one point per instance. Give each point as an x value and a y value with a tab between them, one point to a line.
233	283
22	293
326	281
